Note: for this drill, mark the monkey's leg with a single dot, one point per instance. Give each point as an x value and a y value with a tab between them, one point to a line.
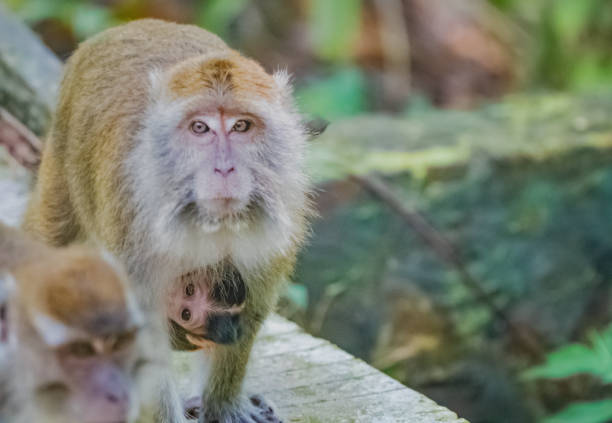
223	400
169	408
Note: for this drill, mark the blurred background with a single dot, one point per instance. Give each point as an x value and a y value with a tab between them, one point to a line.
464	185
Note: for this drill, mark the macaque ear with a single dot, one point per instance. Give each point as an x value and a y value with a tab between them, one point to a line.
200	342
52	332
282	78
315	127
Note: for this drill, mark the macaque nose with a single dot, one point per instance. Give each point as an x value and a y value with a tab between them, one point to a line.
115	405
117	398
110	393
224	171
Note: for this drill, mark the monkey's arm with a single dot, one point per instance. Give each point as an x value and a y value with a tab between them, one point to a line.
17	248
223	399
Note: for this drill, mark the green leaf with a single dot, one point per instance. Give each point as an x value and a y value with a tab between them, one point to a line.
567	361
216	15
33	11
583	412
341	94
333	27
590	71
89	19
577	359
297	294
570	18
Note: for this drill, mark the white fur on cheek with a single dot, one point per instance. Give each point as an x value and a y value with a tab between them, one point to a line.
156	191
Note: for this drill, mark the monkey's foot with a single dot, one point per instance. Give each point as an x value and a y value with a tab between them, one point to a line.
256	410
193	408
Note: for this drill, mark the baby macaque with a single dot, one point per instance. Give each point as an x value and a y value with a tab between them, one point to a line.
204	308
74	347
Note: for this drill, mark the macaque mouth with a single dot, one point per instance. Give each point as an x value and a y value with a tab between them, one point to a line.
53	388
221	212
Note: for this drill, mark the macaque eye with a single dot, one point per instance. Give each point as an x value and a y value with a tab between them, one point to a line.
198	127
241	126
80	349
186	314
189	290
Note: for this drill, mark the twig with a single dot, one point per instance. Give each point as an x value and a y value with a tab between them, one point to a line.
449	253
395	46
20	142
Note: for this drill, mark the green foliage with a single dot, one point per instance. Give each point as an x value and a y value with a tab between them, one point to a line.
575	359
84	18
343	93
571	40
216	15
297	294
569	17
583	412
333	27
89	19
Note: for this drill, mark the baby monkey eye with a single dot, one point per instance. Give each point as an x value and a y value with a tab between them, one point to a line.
186	314
198	127
241	126
189	289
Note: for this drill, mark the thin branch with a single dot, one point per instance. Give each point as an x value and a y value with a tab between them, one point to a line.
20	142
450	254
395	46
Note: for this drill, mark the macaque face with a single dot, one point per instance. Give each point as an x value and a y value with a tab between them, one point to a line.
96	381
188	304
74	325
220	153
224	147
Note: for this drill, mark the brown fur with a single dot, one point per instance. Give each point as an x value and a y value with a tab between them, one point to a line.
76	293
87	105
71	285
242	77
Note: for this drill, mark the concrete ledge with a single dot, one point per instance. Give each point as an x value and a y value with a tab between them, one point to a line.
311	380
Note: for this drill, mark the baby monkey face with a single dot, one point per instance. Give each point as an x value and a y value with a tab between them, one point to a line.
204	308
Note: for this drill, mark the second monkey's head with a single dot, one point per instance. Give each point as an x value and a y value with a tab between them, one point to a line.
223	147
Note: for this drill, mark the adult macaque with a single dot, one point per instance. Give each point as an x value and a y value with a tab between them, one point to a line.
73	348
183	158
